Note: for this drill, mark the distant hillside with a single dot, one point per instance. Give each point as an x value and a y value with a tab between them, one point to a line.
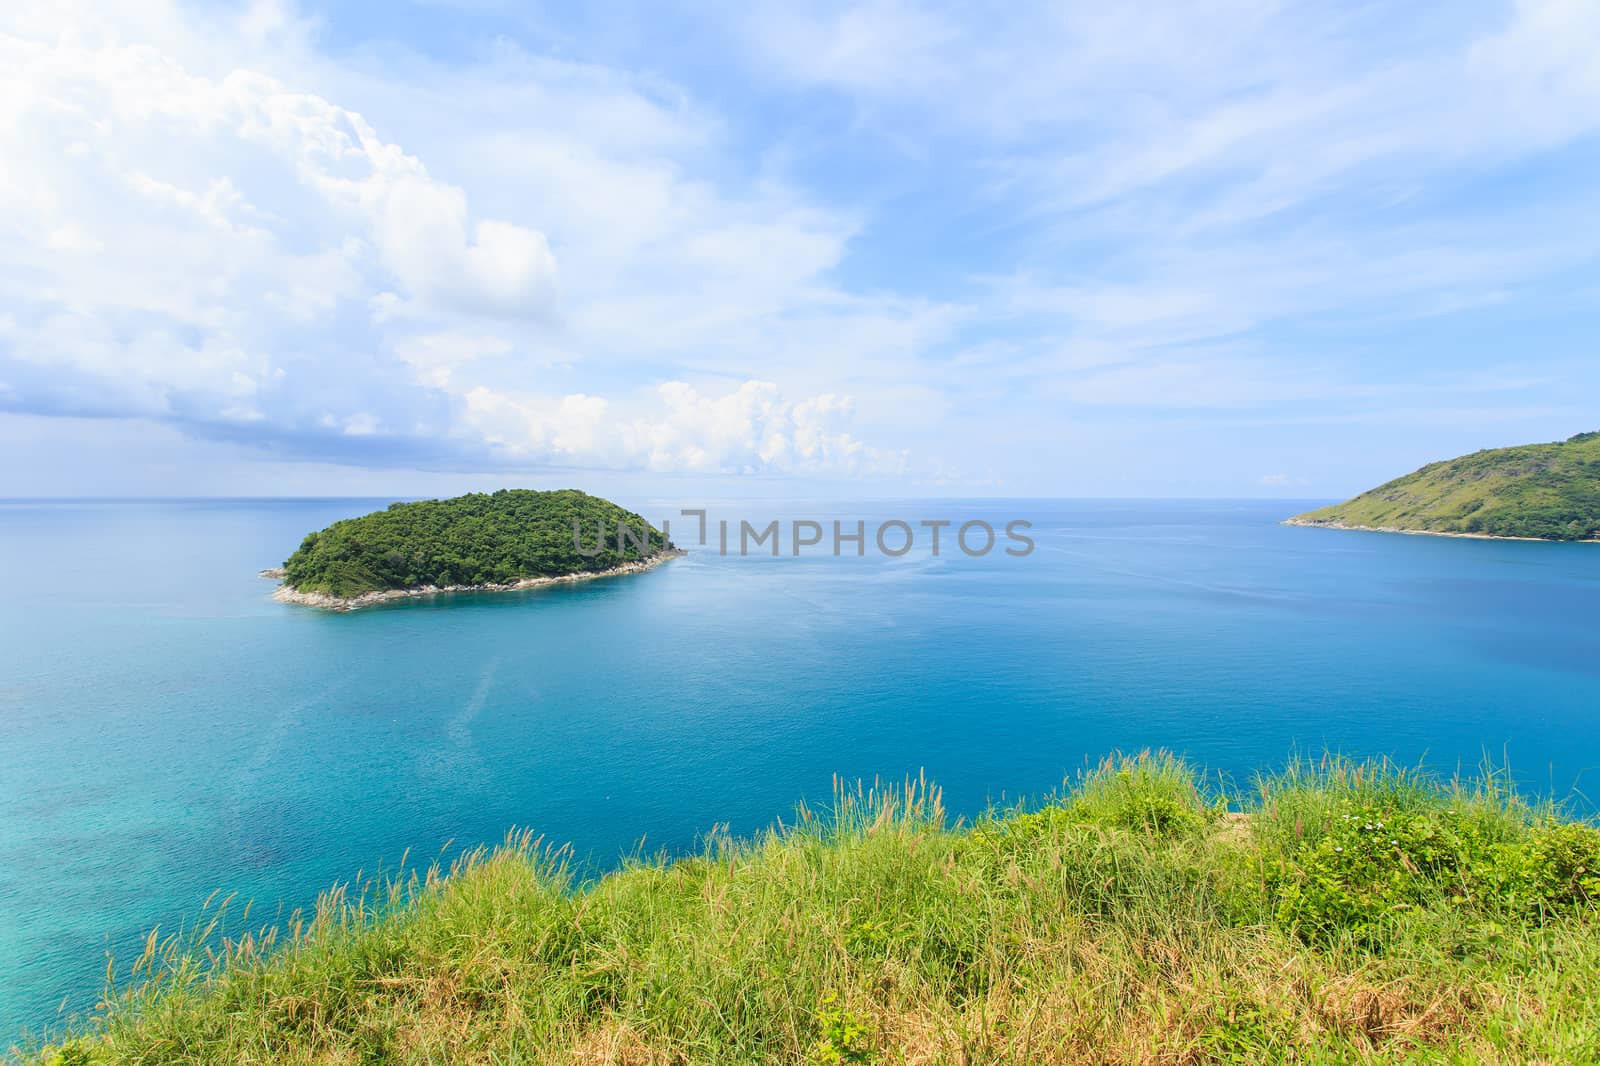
481	539
1543	491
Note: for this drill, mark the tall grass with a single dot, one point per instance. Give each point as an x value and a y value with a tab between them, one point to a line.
1135	917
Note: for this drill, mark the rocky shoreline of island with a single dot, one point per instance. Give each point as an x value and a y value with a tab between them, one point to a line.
286	594
1334	523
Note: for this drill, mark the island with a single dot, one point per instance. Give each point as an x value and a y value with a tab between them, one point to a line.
499	541
1530	492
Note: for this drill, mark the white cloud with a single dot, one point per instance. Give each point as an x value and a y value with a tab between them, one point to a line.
1070	213
1186	174
199	230
886	46
678	428
435	357
229	159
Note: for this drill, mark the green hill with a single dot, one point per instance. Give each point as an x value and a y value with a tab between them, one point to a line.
1349	913
1543	491
478	539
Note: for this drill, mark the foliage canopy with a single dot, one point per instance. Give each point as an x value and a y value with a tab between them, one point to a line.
477	539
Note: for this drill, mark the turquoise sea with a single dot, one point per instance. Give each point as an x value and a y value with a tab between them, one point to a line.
167	730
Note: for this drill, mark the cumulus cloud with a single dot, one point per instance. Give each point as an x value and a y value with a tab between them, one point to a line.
193	233
106	134
750	429
168	233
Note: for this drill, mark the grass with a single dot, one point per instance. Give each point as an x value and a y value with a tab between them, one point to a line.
1337	912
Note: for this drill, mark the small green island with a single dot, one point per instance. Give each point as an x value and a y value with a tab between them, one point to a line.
1530	492
510	539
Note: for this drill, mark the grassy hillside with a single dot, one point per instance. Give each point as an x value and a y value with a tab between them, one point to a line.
1548	491
1355	913
477	539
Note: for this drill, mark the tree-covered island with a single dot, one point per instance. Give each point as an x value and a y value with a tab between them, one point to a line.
513	538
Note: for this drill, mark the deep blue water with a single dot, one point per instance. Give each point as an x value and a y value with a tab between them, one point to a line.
167	730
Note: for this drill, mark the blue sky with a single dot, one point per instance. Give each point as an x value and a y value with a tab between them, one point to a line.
1263	248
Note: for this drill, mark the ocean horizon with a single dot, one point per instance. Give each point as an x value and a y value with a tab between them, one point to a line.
171	732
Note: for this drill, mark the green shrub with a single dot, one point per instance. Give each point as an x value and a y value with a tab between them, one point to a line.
1561	865
845	1037
1373	861
1243	1031
1022	829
